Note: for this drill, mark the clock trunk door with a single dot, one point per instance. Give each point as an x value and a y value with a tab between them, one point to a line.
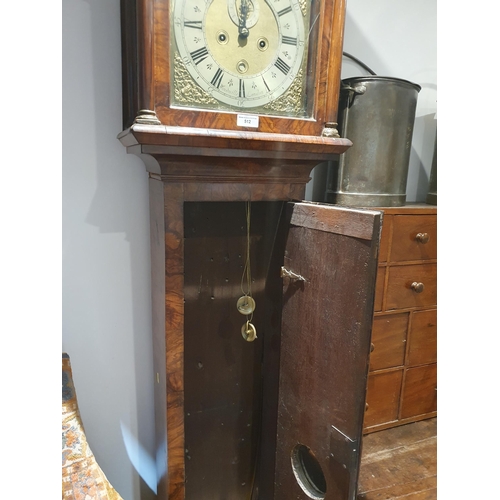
329	276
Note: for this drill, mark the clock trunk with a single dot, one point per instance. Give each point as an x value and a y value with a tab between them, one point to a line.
280	417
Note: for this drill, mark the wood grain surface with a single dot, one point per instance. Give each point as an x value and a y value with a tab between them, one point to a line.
326	328
422	347
383	395
174	336
333	219
403	261
400	295
400	463
223	373
419	391
405	247
388	341
157	241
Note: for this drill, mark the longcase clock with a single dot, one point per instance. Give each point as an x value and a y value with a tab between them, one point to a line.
262	303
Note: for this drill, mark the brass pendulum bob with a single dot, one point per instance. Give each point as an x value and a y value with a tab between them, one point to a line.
246	305
248	332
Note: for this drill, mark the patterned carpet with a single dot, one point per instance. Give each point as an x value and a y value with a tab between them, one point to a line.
82	478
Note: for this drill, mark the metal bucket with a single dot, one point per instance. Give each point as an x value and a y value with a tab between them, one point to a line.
432	194
377	114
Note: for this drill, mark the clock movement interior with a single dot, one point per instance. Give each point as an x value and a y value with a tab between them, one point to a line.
230	382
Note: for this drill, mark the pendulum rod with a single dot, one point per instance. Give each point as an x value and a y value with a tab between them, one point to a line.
246	303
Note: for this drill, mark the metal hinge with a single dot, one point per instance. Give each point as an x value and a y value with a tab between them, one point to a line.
286	273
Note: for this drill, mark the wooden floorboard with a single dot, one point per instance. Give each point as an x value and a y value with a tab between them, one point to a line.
400	463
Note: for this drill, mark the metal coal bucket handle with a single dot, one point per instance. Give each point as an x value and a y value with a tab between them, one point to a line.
359	89
353	92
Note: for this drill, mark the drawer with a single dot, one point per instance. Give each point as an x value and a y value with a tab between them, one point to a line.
414	237
419	392
379	288
401	292
382	397
422	348
383	252
388	341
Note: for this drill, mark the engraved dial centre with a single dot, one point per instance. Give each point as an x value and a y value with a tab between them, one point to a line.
236	49
246	64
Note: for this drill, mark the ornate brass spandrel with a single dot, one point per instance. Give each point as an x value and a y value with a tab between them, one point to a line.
303	7
186	91
292	101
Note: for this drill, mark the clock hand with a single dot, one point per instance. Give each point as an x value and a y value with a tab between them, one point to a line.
242	27
250	8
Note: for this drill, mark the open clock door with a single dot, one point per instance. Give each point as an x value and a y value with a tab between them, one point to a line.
329	277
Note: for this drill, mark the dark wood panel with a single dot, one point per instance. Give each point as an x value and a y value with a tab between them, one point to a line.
388	341
223	373
271	363
211	191
332	219
382	397
422	347
419	391
325	338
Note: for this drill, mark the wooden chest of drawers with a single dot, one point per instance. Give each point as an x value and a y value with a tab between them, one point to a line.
403	363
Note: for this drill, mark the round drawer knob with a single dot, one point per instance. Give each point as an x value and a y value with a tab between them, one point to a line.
367	406
417	287
372	346
422	237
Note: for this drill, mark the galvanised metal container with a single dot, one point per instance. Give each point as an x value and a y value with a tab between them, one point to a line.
432	194
377	114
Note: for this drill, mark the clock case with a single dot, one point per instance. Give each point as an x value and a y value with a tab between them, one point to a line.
281	417
146	58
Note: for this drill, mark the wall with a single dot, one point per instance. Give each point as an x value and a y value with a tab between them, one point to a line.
106	277
106	266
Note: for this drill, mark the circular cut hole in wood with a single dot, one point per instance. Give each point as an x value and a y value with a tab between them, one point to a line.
308	472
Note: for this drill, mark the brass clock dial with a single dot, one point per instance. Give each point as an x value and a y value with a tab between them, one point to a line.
241	55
